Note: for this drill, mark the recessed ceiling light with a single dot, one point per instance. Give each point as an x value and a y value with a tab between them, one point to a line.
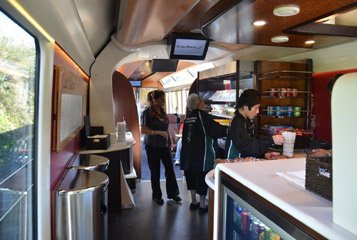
310	42
279	39
286	10
259	23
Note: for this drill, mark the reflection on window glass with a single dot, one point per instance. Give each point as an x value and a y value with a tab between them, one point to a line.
17	124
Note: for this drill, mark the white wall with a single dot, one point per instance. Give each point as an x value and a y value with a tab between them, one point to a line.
344	130
339	57
101	95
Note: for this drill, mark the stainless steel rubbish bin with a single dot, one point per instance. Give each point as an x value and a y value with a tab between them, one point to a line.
91	162
81	206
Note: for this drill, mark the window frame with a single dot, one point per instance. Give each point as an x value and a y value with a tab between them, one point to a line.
35	134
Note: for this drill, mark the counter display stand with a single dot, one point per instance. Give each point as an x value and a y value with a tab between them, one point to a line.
285	89
120	156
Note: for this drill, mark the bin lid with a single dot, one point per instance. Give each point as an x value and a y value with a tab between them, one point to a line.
80	180
90	161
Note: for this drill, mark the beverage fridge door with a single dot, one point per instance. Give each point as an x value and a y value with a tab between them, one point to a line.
245	217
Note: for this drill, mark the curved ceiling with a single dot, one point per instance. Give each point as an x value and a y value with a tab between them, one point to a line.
84	27
229	24
151	21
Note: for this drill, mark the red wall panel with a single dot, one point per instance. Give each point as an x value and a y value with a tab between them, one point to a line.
322	104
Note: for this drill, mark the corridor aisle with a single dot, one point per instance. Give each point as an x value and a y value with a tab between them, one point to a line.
148	221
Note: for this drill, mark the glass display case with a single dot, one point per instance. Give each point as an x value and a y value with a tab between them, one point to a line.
218	88
220	93
247	216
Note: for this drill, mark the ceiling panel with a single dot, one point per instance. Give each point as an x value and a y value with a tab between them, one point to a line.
235	26
99	21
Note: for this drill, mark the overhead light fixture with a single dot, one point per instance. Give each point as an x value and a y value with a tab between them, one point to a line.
259	23
280	39
286	10
310	42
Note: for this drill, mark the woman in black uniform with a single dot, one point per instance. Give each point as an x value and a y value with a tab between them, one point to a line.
197	153
241	140
154	124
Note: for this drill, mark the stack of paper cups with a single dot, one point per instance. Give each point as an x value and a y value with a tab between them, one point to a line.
288	145
121	128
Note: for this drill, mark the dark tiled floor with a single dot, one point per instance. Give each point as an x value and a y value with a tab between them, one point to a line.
148	221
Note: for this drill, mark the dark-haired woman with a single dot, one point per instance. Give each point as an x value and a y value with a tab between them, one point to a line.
154	124
241	133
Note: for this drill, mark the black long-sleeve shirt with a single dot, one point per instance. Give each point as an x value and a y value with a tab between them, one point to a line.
197	153
241	135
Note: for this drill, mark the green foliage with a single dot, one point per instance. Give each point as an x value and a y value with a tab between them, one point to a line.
16	85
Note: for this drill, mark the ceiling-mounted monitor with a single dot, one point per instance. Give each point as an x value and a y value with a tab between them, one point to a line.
164	65
189	46
135	83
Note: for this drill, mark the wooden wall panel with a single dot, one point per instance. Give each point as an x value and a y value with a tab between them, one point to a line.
125	107
60	159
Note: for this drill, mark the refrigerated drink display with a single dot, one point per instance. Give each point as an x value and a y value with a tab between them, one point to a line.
245	219
246	226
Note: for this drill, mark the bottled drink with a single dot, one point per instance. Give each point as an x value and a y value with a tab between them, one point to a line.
267	233
255	230
244	221
297	111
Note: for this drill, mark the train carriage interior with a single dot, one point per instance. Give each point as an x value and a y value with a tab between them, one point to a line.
103	57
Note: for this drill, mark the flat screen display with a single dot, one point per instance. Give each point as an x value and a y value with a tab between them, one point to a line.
135	83
189	46
164	65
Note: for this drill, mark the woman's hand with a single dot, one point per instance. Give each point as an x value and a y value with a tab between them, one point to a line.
320	153
148	131
278	139
272	155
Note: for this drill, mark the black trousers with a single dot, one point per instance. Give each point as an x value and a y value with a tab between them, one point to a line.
154	155
196	181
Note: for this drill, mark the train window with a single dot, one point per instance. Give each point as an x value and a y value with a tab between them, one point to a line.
18	111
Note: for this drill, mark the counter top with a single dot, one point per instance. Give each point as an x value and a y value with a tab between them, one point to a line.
209	179
305	206
129	141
